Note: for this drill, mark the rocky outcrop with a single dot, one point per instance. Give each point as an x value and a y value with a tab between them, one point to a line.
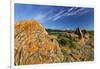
33	45
83	35
79	32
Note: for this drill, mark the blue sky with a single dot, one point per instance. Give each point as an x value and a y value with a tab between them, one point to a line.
56	17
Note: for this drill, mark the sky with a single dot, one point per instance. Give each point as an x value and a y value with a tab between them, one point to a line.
56	17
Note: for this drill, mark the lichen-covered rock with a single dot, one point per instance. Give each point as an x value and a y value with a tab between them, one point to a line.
33	45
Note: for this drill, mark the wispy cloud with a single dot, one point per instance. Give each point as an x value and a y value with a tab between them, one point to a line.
85	11
56	15
76	12
56	18
41	17
71	12
59	13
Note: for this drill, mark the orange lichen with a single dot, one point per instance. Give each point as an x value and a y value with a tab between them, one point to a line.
35	41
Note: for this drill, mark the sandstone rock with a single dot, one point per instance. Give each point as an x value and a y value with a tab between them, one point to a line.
33	45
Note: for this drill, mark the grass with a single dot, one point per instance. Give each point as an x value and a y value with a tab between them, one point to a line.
73	50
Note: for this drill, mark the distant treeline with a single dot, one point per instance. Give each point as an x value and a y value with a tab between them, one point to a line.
57	30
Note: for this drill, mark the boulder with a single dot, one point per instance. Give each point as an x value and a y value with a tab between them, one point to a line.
33	45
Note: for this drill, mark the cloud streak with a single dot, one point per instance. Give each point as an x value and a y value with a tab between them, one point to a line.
56	15
63	13
71	12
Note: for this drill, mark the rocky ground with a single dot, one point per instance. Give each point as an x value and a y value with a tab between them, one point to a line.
35	45
76	45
